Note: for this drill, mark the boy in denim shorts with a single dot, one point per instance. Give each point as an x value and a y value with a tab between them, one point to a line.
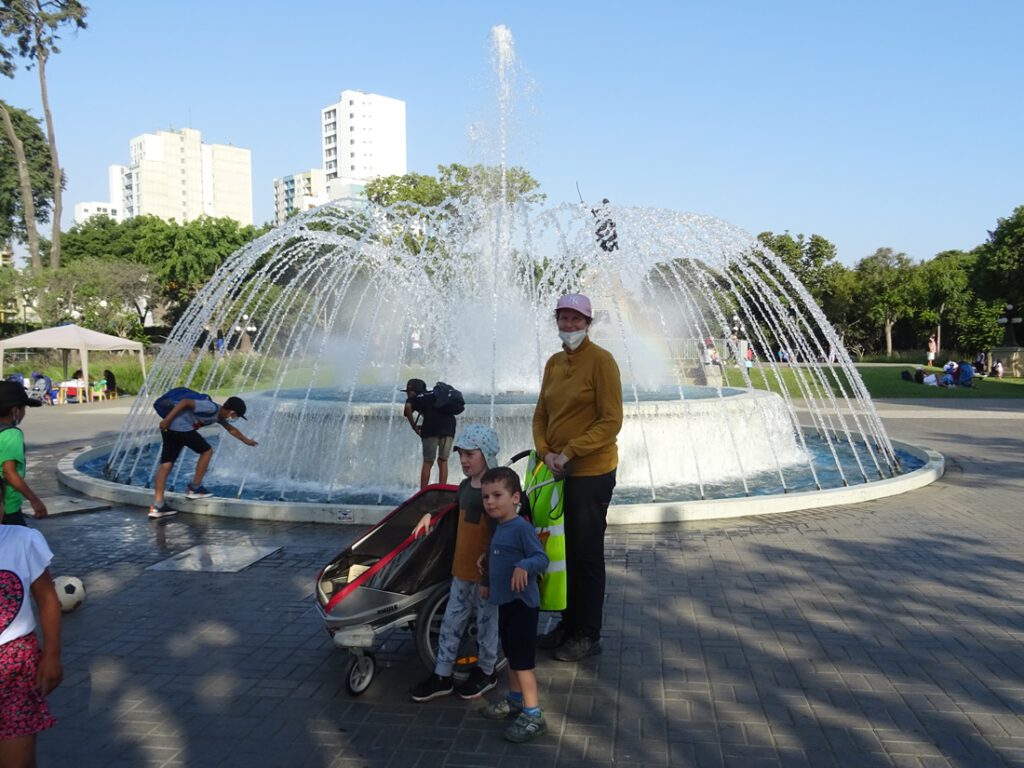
436	430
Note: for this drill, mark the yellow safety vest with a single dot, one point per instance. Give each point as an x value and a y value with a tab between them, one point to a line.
546	505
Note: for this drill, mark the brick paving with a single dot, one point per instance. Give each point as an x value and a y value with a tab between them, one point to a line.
884	634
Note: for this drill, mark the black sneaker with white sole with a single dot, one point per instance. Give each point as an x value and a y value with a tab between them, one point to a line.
155	512
434	687
196	492
477	684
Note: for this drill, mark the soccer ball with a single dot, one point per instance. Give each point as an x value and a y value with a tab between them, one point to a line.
70	592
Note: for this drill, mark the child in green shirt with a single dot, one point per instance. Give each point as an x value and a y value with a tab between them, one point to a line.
13	401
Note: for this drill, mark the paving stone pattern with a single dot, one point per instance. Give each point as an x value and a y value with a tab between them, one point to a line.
886	634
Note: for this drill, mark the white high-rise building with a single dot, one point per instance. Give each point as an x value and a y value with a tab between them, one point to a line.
363	138
299	192
85	211
173	175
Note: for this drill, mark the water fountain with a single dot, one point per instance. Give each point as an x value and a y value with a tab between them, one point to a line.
318	316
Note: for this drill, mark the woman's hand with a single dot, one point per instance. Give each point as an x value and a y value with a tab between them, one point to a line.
556	463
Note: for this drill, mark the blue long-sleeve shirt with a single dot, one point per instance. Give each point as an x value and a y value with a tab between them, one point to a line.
514	544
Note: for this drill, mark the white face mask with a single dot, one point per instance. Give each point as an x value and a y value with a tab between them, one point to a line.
572	339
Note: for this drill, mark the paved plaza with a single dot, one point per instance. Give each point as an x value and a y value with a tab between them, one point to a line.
887	633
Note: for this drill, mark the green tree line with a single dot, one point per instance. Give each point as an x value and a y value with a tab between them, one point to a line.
888	301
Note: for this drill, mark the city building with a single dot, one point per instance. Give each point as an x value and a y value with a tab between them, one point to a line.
299	192
85	211
174	175
363	138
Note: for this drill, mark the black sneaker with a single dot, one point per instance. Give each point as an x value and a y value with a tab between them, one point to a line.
554	638
526	727
434	687
477	684
578	648
155	512
196	492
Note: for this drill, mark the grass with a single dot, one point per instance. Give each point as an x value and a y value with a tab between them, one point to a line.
882	382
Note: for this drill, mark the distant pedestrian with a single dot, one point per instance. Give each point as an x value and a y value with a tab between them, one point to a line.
932	349
436	430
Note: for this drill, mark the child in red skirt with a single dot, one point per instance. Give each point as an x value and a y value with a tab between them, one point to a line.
27	672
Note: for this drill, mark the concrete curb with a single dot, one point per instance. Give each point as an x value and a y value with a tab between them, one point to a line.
625	514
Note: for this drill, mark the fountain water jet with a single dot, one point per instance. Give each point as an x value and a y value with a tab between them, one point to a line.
337	293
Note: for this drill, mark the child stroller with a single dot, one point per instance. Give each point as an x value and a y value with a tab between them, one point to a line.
388	580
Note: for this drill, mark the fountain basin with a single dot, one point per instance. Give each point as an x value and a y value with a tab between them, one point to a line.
930	467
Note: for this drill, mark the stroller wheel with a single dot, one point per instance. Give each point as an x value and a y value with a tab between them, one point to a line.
359	673
428	624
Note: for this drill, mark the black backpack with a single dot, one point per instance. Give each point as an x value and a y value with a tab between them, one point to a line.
448	400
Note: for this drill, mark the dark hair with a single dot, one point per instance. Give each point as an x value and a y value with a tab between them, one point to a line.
504	475
419	386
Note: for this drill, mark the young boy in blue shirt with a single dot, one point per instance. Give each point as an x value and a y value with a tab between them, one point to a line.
516	559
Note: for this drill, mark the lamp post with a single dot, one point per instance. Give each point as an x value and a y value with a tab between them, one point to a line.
1008	321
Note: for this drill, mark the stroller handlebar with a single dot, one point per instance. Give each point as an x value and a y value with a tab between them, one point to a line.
520	455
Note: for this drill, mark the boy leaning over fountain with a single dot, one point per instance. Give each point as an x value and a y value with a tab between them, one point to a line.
179	429
478	448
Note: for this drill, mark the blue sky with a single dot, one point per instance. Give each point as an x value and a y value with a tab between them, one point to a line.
874	124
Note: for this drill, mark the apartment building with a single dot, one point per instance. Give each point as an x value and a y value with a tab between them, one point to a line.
299	192
174	175
363	138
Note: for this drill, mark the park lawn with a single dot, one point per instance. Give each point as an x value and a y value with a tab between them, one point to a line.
884	382
881	382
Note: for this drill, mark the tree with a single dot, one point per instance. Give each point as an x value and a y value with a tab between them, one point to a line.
1001	261
107	295
945	289
455	181
26	183
885	290
185	257
33	25
484	181
812	260
411	188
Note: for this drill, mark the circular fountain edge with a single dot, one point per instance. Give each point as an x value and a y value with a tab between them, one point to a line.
618	514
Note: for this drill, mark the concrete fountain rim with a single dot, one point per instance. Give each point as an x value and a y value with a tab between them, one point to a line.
933	468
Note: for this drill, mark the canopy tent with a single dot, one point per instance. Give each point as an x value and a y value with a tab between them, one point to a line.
67	337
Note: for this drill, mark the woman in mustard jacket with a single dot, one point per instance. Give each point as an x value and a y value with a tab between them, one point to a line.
575	424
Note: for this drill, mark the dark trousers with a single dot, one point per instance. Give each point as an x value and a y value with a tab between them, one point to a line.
14	518
586	517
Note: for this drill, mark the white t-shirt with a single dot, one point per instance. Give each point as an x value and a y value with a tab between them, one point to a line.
24	555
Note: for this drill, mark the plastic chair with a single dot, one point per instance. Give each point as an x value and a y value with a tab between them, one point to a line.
99	390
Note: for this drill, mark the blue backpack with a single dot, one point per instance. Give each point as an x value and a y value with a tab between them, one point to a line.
166	402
